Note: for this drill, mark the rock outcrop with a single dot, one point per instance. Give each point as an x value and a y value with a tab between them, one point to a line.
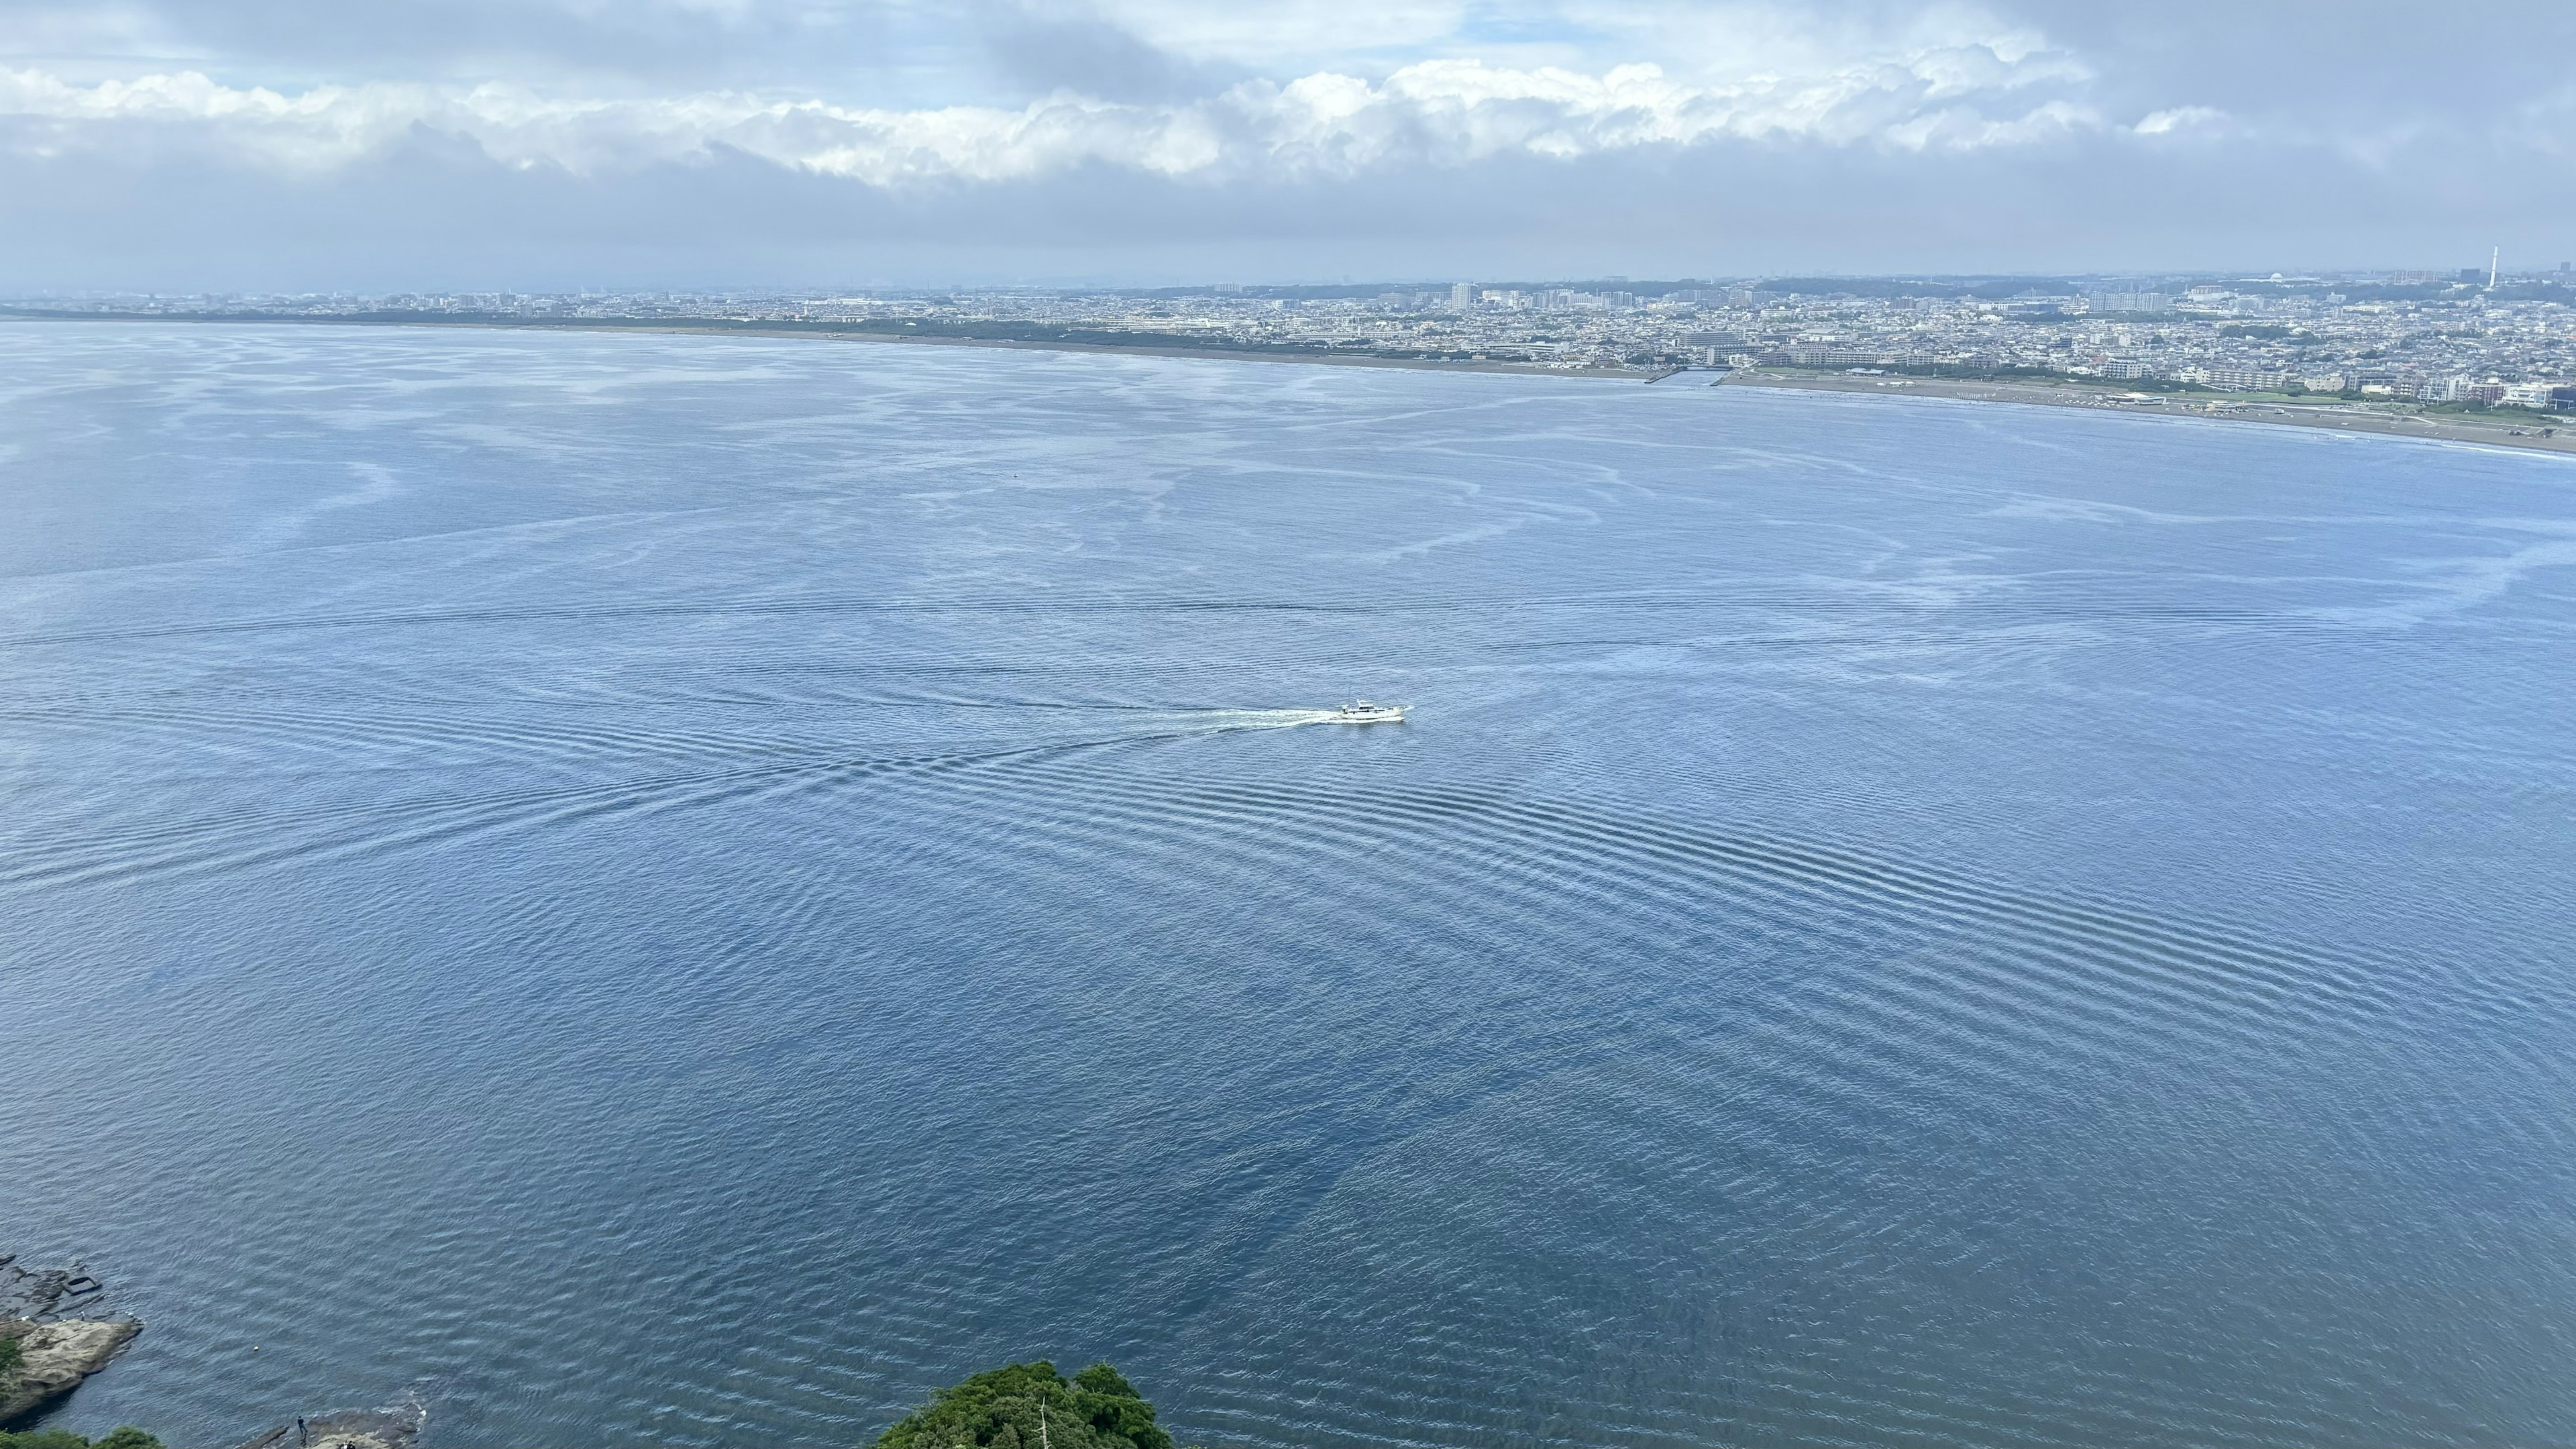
395	1426
55	1357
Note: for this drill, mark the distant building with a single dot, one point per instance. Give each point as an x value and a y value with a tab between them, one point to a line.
1831	354
1565	299
1462	296
2235	379
2129	299
2460	388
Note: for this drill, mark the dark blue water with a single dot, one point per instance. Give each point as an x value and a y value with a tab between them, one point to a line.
691	891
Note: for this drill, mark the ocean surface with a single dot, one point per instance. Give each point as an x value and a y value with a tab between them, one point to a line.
691	891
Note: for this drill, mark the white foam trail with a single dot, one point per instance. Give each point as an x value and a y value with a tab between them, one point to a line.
1262	719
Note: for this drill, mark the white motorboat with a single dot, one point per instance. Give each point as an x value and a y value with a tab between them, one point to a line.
1360	711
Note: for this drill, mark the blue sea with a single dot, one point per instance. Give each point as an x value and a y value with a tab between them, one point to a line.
682	890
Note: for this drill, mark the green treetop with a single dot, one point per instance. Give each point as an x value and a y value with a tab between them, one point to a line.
1008	1407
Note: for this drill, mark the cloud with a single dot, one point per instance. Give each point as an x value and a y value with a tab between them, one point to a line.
2201	120
187	143
1264	34
1322	124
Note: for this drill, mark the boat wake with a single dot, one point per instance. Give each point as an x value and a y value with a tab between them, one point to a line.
1266	719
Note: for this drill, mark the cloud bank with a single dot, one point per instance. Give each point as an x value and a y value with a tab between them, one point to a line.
1438	112
444	142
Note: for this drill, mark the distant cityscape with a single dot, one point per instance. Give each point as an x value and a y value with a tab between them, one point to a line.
2475	339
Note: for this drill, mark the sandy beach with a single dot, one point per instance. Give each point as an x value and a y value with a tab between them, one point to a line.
2339	415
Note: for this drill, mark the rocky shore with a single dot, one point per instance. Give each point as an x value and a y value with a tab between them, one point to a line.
45	1354
396	1426
54	1357
53	1352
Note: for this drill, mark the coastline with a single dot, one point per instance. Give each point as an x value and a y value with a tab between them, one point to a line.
2339	416
1237	354
716	328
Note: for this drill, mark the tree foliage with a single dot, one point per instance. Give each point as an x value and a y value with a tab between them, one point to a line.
1007	1408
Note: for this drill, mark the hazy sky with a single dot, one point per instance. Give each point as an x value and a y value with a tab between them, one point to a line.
313	144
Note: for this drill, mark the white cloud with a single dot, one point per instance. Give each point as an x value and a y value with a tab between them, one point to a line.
2182	120
1707	41
1263	34
1433	112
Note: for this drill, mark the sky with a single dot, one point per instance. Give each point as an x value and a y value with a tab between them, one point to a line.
375	145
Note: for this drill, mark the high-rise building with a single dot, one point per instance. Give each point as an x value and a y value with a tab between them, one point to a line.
1462	296
2129	298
